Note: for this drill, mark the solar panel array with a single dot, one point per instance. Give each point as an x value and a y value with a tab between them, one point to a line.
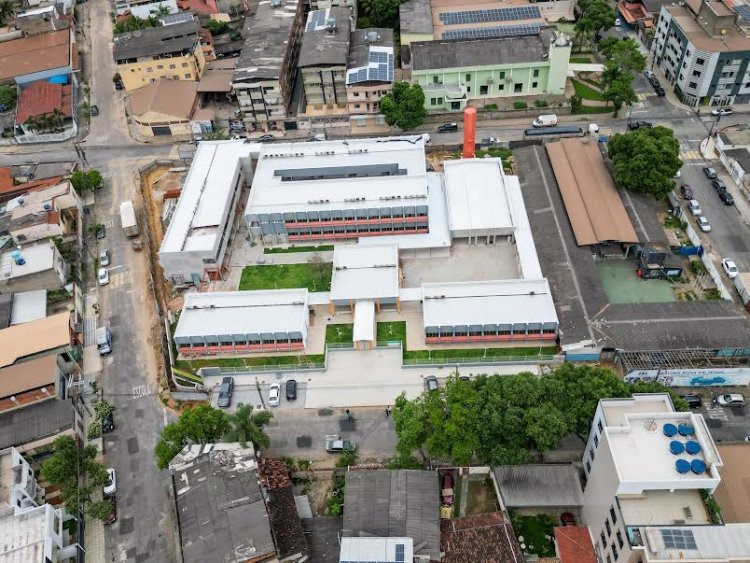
500	31
493	15
678	539
744	11
380	69
316	20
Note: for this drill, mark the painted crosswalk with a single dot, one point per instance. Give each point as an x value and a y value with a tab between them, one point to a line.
715	412
691	155
140	391
108	223
120	278
89	331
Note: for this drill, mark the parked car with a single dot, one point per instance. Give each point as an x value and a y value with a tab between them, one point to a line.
490	141
718	185
729	267
266	137
722	111
335	444
291	390
726	197
639	125
703	223
649	74
686	191
112	518
446	490
693	401
709	172
225	392
274	395
659	90
549	120
695	207
653	80
110	487
104	258
119	85
447	128
108	424
101	231
94	110
103	276
431	382
731	400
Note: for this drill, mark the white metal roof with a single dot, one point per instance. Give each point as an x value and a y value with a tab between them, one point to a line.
38	258
206	190
364	272
489	302
730	542
365	550
28	306
475	192
364	321
527	257
270	194
243	312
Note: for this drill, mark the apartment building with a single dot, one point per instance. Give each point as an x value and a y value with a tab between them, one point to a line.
42	214
265	73
323	60
704	50
369	74
168	51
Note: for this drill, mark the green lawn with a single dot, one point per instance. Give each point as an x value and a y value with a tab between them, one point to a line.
581	60
586	92
321	248
583	110
392	331
340	334
193	365
286	276
534	529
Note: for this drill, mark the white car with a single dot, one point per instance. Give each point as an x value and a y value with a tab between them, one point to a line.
649	74
703	224
729	267
731	400
722	111
111	487
695	207
104	258
103	276
274	395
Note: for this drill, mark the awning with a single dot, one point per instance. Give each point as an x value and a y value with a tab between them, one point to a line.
364	321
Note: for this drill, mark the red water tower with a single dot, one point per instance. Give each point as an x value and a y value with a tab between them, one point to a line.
470	132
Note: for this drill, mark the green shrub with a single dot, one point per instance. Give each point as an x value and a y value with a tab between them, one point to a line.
520	105
490	107
540	103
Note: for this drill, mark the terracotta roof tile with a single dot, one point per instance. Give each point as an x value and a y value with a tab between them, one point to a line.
574	544
273	473
483	538
44	97
34	53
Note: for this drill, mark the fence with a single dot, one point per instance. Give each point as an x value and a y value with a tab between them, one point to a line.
482	361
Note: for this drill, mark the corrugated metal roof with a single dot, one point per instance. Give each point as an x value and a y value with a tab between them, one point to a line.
733	494
539	485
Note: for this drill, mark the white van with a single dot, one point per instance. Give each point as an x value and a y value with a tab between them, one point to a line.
545	121
103	340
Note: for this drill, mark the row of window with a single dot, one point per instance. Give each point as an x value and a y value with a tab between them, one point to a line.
369	93
356	229
432	332
485	90
616	545
436	79
158	67
251	341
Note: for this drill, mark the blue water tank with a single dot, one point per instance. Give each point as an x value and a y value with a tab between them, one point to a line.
682	466
676	447
692	447
669	430
698	466
18	257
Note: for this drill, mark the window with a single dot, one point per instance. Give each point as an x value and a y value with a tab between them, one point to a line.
440	101
175	76
361	122
501	87
747	84
435	79
614	551
172	66
187	76
604	540
356	94
596	441
501	75
699	61
696	73
588	466
455	105
149	69
619	539
536	73
518	88
468	78
600	426
433	102
468	89
356	106
591	454
535	84
184	65
483	90
681	77
613	514
609	528
160	67
609	559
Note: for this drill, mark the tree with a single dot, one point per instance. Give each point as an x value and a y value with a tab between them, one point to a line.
73	468
620	92
623	59
596	16
198	425
384	13
6	11
83	181
404	106
248	427
8	96
103	409
217	27
646	160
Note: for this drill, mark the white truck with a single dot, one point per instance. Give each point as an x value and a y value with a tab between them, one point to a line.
549	120
128	219
742	283
103	340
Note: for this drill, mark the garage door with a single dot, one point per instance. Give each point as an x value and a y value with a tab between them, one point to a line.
159	131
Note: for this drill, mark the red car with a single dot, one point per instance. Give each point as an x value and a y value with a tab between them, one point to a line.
112	518
446	492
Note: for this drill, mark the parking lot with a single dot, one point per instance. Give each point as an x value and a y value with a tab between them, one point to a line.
727	424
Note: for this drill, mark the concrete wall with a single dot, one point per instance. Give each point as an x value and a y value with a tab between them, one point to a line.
143	72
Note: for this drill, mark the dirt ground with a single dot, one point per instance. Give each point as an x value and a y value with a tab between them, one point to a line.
481	498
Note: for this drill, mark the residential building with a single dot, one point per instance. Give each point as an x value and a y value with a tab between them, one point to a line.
145	8
456	72
36	266
38	57
366	550
41	20
703	48
42	214
196	239
164	107
264	78
167	51
22	307
243	322
574	545
394	504
323	60
481	537
647	468
18	487
46	112
350	5
415	23
539	487
34	428
369	74
35	535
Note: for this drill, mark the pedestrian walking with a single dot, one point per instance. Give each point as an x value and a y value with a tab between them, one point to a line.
348	415
387	411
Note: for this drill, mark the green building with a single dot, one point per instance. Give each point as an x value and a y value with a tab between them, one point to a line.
454	72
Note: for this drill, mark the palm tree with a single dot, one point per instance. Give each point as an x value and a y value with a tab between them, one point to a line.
248	427
56	118
6	10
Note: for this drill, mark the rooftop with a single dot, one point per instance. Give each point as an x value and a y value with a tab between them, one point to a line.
175	98
496	51
365	550
451	18
370	57
482	538
38	258
37	421
742	156
502	302
697	543
267	35
196	222
23	376
663	508
154	41
42	97
217	76
35	53
325	41
733	494
23	535
364	272
532	486
220	508
574	544
415	16
614	410
29	306
399	503
353	173
243	312
732	40
33	337
361	42
285	522
592	202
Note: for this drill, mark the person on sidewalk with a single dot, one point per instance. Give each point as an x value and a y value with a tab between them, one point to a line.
388	411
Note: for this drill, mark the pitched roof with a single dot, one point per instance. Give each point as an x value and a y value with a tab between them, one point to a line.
574	545
44	97
274	473
23	376
33	337
285	523
175	98
733	494
493	51
539	485
35	53
35	422
154	41
482	538
321	46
